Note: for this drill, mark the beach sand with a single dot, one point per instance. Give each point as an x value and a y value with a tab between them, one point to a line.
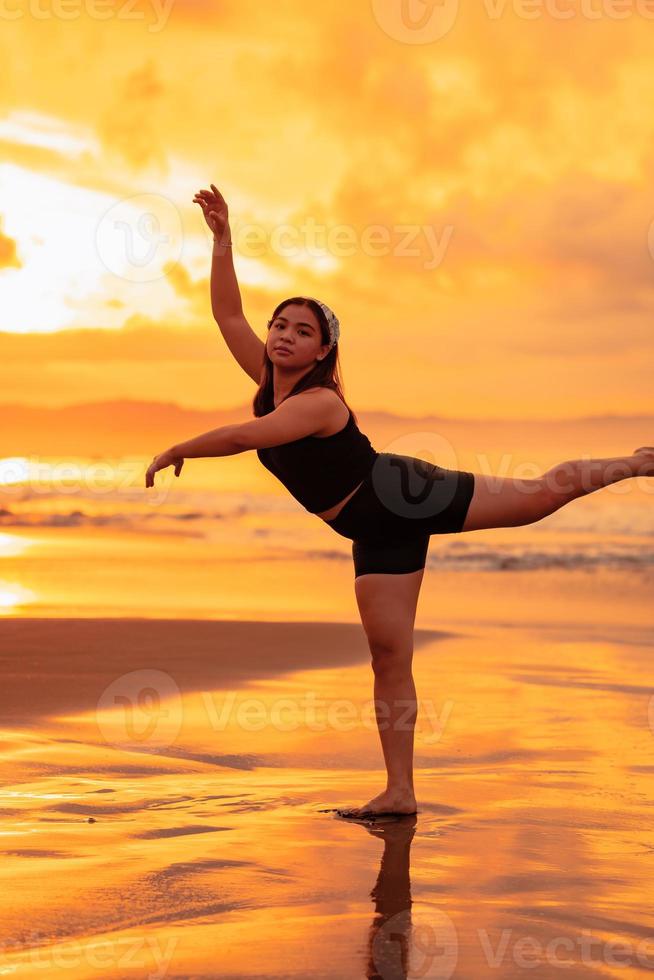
209	757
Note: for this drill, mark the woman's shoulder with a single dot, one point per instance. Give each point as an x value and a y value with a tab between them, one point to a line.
330	396
328	388
337	412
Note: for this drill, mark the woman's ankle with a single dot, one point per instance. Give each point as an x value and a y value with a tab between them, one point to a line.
399	786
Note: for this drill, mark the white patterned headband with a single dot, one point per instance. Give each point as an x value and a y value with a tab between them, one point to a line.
332	321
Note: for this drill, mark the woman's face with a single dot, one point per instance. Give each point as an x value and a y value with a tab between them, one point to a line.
295	338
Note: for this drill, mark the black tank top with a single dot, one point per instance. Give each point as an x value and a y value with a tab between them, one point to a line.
320	471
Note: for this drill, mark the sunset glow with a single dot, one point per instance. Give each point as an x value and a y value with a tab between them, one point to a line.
482	197
200	677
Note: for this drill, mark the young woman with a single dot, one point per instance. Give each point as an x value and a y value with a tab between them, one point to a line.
387	504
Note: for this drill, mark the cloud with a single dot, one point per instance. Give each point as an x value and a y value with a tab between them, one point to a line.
529	139
128	125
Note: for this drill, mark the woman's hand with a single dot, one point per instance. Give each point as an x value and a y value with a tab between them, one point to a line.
214	208
160	462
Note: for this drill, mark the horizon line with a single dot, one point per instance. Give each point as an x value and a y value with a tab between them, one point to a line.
371	411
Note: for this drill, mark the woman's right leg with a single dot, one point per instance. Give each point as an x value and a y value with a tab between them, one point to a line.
387	605
504	502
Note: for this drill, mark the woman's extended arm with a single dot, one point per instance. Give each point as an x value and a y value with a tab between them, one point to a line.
298	416
225	294
216	442
226	304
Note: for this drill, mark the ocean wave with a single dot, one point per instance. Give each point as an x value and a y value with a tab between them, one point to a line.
78	518
570	546
525	558
534	559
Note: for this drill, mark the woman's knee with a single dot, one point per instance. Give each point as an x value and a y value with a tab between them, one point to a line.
388	661
390	645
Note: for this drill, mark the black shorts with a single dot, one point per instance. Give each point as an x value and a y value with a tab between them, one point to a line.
401	502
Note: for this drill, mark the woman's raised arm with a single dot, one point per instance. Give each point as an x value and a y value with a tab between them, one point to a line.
226	305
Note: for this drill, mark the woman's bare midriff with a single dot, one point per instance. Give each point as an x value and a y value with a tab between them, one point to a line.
329	515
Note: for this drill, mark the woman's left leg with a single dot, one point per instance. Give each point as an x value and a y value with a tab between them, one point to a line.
506	502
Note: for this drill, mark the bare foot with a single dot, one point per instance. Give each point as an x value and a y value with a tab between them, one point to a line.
647	452
390	801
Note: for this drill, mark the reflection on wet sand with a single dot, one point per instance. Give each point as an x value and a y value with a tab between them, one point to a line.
391	942
530	853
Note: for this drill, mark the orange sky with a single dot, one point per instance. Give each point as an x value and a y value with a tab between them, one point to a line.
508	163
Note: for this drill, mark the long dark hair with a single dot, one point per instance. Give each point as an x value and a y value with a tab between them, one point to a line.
325	372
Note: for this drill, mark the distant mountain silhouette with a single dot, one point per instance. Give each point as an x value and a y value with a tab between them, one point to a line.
142	427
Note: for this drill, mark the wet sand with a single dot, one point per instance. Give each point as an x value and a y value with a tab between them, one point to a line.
169	786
